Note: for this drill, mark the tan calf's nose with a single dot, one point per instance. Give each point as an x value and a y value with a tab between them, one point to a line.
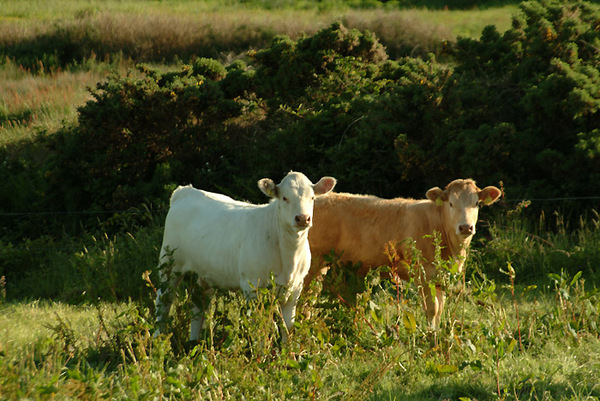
303	220
466	229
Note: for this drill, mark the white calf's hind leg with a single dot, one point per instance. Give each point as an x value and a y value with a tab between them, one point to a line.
196	324
198	312
163	303
162	307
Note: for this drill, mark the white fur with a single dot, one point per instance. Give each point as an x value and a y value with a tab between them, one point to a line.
232	244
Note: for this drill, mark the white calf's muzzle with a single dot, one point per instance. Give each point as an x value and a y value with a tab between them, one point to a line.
303	220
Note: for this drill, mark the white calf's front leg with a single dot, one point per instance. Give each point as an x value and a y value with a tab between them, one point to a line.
288	311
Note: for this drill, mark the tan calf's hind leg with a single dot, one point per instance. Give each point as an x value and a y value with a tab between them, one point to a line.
433	305
440	297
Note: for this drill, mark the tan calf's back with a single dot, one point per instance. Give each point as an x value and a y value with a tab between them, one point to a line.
358	227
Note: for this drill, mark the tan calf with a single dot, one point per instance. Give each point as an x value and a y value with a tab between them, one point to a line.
359	226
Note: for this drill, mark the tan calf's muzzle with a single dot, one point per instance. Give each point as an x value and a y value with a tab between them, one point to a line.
466	229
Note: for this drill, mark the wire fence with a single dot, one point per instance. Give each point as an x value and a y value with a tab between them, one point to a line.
73	213
160	210
89	213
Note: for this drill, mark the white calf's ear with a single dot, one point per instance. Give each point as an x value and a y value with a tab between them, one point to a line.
437	195
489	195
268	187
324	185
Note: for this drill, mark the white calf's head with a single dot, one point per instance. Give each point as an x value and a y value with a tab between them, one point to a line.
461	200
295	196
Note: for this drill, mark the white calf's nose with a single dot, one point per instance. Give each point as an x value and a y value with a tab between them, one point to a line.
466	229
302	220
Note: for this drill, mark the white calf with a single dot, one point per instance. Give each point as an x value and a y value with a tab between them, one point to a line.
232	244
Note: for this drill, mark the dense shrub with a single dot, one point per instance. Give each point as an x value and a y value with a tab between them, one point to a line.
206	124
521	107
136	133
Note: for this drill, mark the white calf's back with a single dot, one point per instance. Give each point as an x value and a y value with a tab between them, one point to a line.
217	237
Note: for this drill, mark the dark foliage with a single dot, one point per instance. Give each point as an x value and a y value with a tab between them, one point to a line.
519	107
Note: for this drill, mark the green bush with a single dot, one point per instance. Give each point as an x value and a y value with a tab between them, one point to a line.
140	134
207	124
540	81
519	107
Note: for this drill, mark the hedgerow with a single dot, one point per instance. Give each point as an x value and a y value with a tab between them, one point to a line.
519	107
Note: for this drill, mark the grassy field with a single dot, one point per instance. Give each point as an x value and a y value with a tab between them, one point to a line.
540	345
526	333
42	84
530	333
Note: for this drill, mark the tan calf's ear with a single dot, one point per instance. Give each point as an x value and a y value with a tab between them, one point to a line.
324	185
268	187
437	195
489	195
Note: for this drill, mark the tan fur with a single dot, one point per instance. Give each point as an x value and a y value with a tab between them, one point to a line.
359	226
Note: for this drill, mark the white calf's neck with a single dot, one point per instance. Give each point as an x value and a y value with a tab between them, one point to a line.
293	250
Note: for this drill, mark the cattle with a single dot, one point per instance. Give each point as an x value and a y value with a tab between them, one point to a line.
359	227
238	245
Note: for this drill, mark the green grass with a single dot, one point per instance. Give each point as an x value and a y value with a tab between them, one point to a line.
26	323
367	351
78	324
31	103
542	343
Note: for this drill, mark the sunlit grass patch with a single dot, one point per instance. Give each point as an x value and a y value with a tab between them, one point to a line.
23	324
41	101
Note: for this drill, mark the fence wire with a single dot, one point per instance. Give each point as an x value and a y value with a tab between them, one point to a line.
135	211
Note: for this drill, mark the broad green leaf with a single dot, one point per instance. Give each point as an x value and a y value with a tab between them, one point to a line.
410	323
446	368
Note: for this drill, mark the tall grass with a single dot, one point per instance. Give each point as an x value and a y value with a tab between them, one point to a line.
377	346
167	31
41	101
547	244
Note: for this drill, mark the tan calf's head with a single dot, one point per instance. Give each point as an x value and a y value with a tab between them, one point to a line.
295	195
461	200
